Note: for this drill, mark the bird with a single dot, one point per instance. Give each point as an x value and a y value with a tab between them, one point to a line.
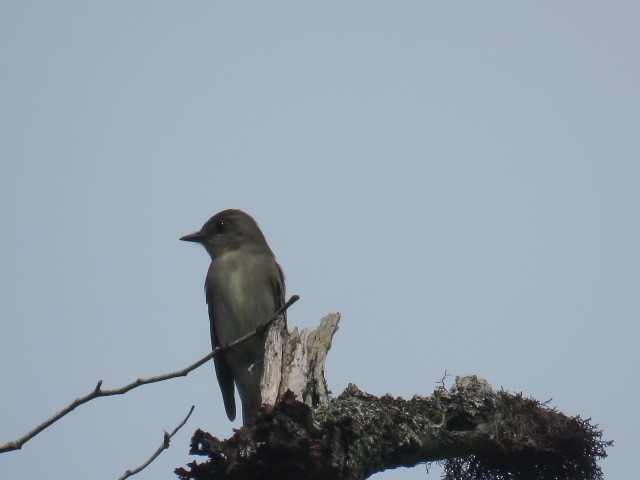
244	287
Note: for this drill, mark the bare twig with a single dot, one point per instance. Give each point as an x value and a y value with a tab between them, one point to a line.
98	392
164	446
441	384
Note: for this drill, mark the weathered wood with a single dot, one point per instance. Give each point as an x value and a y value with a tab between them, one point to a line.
295	361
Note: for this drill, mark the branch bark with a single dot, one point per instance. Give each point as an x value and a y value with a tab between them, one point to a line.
479	433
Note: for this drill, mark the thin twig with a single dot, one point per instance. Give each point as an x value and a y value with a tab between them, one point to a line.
164	446
98	392
441	385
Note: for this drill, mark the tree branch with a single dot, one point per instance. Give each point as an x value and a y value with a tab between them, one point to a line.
98	392
164	446
480	433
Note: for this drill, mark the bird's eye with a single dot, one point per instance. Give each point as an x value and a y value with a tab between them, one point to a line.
221	226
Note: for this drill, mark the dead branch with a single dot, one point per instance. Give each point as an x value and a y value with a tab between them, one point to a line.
165	444
480	433
99	392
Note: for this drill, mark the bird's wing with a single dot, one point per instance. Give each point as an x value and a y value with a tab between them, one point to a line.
223	370
279	291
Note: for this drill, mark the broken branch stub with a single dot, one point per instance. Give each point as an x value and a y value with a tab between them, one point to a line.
295	361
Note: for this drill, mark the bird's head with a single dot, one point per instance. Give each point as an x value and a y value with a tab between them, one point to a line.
227	231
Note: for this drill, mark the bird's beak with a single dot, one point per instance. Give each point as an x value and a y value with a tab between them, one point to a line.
194	237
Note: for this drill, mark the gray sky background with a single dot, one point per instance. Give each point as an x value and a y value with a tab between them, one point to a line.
460	181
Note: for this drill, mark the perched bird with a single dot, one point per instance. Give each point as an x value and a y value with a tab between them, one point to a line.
244	288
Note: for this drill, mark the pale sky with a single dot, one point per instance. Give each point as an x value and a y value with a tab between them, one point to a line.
460	181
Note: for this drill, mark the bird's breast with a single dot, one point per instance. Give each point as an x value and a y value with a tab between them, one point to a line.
241	293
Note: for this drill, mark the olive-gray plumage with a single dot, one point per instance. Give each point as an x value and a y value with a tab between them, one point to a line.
244	287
